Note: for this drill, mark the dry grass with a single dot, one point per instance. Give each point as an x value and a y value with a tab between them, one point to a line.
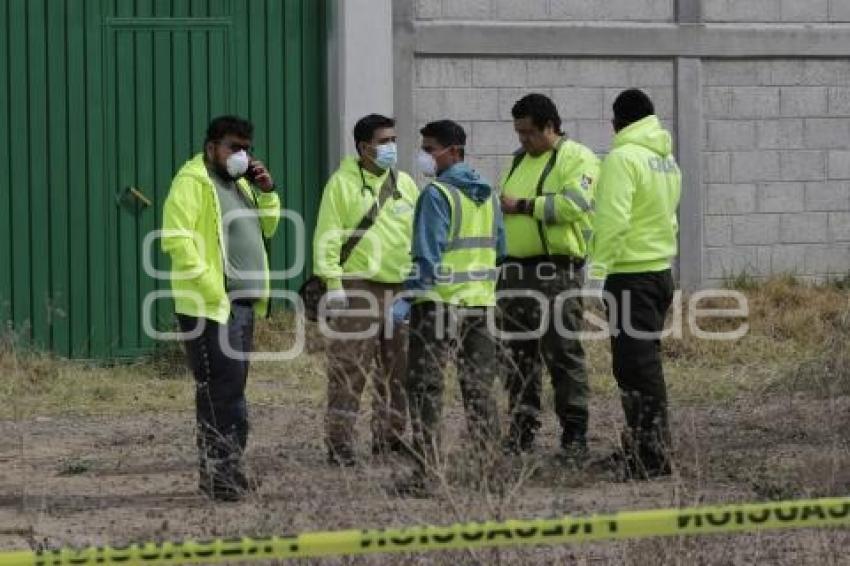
799	340
741	436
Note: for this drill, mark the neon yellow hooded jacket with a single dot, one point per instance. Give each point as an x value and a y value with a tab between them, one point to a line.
383	255
635	226
192	236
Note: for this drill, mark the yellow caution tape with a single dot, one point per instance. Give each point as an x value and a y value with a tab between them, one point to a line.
623	525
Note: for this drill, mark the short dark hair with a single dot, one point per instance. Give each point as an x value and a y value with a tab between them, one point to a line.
632	105
447	132
540	109
229	125
364	129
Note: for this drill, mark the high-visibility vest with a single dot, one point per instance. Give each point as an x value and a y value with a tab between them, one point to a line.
467	272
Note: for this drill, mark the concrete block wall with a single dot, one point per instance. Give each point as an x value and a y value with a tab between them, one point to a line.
768	135
479	93
777	177
548	10
776	11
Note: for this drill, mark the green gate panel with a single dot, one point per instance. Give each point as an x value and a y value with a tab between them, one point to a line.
100	96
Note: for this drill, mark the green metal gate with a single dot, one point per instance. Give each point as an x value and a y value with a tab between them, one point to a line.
101	101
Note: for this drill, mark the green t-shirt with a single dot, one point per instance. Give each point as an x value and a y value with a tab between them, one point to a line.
243	240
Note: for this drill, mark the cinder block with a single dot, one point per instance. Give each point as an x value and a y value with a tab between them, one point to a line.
803	228
839	101
457	104
729	262
652	73
603	72
718	230
781	197
578	102
613	10
441	72
756	166
827	133
730	199
466	9
839	164
803	101
493	138
828	260
731	134
788	259
829	196
839	11
804	12
499	72
802	166
839	226
742	10
553	72
754	102
525	10
755	229
595	134
783	72
732	73
780	134
717	167
717	102
826	72
429	9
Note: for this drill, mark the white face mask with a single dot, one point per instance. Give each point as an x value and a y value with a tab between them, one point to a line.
426	163
237	164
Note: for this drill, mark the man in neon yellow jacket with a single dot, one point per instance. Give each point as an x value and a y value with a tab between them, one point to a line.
214	226
634	238
547	193
375	268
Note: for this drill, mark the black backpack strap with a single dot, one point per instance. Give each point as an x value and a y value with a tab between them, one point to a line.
388	189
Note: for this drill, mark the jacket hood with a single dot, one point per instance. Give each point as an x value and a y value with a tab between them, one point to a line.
468	180
647	133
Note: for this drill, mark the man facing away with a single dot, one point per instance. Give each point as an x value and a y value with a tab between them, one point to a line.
547	194
215	222
634	238
458	240
375	269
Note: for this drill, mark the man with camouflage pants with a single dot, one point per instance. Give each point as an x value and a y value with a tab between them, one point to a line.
546	196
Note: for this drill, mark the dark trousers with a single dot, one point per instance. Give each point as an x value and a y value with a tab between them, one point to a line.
431	347
641	304
562	354
220	406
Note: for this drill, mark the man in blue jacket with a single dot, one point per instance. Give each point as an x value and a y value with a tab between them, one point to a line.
458	240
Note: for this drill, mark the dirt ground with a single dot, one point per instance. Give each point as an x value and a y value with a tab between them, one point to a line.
80	481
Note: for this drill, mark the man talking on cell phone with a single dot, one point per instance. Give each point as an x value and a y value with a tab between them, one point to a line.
215	222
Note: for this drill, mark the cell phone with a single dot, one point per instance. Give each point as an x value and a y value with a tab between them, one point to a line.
251	173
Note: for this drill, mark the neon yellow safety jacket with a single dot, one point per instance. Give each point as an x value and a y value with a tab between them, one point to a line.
467	272
563	204
635	226
192	236
383	255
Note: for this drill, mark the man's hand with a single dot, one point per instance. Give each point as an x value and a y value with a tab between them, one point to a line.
517	205
261	177
401	311
510	205
336	300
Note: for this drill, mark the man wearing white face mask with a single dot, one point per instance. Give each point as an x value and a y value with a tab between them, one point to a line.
458	241
220	277
365	188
